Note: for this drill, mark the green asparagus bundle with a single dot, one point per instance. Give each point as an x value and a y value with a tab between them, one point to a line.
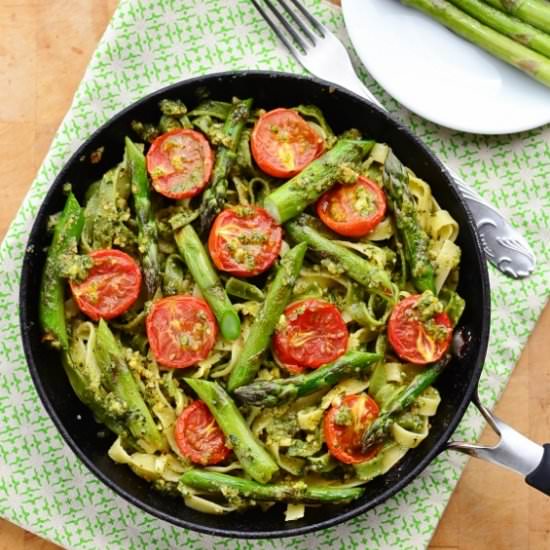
359	269
223	484
536	12
148	237
510	26
379	429
414	238
254	459
518	55
262	328
52	296
204	274
294	196
213	198
270	393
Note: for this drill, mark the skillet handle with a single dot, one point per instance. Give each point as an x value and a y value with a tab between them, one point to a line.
513	451
539	478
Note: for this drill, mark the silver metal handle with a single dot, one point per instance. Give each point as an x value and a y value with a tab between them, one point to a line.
513	451
504	247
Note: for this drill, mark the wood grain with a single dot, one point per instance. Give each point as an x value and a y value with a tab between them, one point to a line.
44	49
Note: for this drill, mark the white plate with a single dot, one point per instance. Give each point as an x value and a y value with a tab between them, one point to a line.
440	76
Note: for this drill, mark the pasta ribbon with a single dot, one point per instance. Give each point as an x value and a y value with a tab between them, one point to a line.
447	259
348	386
442	227
386	459
382	232
201	504
148	466
423	196
408	438
427	403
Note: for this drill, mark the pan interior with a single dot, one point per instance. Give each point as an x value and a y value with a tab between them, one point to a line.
342	110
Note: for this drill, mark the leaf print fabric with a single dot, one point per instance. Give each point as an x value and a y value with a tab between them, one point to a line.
150	44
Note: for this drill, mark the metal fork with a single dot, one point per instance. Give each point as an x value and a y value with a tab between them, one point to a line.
323	55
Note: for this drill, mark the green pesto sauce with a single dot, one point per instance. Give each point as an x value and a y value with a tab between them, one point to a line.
411	422
75	267
425	309
363	203
427	306
171	107
343	416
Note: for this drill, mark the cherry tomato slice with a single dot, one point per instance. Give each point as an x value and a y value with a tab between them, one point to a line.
283	143
314	334
180	163
111	287
244	241
414	340
181	330
353	210
344	424
199	437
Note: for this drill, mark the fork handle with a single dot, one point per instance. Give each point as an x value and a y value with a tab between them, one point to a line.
359	88
504	247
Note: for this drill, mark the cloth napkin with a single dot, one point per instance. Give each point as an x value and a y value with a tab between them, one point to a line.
147	45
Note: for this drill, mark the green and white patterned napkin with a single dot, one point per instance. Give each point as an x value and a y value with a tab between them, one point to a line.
152	43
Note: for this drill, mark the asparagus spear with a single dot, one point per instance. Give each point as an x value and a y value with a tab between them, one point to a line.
51	305
148	247
259	337
414	238
204	274
214	482
270	393
120	380
359	269
510	26
536	12
320	175
254	459
214	197
95	399
174	279
243	289
212	108
378	430
521	57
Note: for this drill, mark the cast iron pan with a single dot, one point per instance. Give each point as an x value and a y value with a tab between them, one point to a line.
343	110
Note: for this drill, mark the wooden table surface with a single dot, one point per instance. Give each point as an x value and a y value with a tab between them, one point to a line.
45	46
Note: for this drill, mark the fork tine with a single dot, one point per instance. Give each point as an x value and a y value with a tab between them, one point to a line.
298	21
317	24
290	47
297	38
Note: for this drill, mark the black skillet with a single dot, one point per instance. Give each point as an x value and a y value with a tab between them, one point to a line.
457	385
